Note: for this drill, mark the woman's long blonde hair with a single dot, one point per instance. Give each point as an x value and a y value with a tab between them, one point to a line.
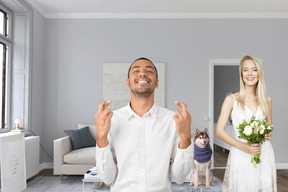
260	89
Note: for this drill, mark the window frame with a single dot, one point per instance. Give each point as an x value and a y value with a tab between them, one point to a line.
4	82
7	40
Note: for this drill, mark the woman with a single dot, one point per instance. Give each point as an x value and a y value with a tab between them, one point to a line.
240	173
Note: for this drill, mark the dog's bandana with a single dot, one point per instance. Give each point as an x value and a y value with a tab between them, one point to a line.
202	155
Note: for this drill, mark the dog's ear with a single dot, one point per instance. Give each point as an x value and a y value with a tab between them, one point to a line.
205	131
197	132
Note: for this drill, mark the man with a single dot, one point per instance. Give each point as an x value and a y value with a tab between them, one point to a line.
143	145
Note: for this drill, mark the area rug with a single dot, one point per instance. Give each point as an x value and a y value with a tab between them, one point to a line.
74	184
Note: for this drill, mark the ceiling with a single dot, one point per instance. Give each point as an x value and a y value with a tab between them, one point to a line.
162	8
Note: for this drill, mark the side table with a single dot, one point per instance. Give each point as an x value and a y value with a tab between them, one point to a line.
95	179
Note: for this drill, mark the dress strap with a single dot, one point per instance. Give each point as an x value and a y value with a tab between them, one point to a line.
233	104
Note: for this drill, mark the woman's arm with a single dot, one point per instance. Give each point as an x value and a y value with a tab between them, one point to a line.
226	109
269	118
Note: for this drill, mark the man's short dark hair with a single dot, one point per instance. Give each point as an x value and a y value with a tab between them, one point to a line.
144	58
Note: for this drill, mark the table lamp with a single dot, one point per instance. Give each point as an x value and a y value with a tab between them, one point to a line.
17	125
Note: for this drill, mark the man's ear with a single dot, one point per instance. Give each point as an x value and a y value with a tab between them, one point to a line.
157	82
127	82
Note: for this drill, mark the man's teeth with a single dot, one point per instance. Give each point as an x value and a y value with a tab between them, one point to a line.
142	82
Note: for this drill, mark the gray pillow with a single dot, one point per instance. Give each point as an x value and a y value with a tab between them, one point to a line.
81	138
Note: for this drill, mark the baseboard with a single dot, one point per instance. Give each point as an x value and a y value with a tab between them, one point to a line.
278	166
281	165
46	165
49	165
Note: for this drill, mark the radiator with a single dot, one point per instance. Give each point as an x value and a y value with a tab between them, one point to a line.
32	155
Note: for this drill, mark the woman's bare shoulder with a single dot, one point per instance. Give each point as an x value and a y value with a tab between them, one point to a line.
229	100
269	99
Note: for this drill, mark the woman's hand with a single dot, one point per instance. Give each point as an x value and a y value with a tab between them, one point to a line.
268	136
253	149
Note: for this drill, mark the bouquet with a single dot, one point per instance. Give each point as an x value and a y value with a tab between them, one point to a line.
254	131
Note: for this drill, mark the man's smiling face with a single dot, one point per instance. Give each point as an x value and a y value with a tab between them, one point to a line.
142	78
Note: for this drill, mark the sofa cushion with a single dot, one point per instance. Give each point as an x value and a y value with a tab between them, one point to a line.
92	128
84	156
81	138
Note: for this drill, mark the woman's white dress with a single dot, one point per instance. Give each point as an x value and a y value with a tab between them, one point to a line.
241	175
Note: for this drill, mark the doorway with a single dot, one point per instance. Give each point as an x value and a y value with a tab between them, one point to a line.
223	81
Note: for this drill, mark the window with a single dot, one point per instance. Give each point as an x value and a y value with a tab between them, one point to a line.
3	23
5	45
3	84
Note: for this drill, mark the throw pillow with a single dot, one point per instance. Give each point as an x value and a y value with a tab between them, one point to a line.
81	138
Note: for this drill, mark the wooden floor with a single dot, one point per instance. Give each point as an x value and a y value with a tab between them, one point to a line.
282	177
220	156
220	160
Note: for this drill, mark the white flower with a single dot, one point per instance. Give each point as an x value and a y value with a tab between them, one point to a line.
256	129
247	130
262	128
268	127
254	124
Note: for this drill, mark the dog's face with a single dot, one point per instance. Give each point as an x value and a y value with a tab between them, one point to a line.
202	138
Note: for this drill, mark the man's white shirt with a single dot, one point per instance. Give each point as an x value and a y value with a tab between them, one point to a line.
143	153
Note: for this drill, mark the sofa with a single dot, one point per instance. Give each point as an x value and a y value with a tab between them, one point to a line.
73	162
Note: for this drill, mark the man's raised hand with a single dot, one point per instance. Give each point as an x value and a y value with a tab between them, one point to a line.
103	121
183	123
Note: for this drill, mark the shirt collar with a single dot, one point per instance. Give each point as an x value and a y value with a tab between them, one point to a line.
152	112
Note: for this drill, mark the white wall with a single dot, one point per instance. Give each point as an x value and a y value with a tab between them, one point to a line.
37	78
75	50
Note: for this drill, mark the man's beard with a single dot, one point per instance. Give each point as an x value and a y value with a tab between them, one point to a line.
143	93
